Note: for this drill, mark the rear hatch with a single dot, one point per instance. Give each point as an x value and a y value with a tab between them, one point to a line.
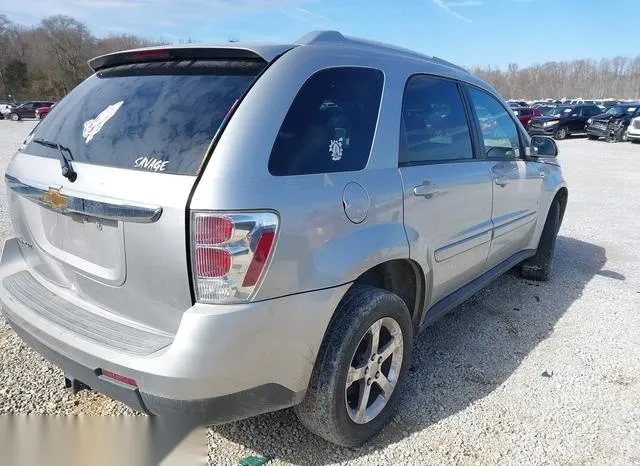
136	133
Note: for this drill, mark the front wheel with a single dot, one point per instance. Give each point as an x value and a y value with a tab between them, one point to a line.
538	267
561	133
621	135
360	367
14	117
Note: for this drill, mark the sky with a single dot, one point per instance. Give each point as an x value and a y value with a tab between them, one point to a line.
466	32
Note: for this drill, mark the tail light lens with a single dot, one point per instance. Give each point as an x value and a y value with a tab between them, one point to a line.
230	254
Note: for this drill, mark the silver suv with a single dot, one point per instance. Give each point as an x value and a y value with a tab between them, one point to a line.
219	232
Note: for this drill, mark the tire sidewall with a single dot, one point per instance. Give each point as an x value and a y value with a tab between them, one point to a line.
562	133
380	310
14	117
363	305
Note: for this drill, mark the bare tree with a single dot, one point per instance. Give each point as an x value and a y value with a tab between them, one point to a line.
71	43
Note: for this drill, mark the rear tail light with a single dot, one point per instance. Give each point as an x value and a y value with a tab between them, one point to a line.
230	254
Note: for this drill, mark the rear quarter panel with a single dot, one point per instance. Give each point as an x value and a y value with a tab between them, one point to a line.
317	246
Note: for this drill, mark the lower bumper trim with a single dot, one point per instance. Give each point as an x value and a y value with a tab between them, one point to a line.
208	411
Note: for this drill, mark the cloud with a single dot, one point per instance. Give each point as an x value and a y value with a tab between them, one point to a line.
447	8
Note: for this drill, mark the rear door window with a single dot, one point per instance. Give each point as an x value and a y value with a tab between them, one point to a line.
434	122
330	124
157	117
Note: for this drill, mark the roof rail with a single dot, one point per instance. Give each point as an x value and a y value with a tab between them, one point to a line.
321	37
448	63
335	37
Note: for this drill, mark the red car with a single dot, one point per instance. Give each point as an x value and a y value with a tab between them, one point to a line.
525	114
43	111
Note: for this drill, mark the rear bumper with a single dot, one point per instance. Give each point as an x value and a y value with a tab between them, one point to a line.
224	362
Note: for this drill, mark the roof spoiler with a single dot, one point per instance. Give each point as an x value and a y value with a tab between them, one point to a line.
150	54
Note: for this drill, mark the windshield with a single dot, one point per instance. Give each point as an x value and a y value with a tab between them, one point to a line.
559	111
619	110
157	117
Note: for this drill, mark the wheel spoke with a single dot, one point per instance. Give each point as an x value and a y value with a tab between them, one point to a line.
365	391
375	336
385	385
355	374
391	347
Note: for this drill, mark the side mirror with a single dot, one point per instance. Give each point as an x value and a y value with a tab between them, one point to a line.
542	146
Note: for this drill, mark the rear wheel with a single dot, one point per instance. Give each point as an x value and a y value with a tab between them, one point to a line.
360	368
561	133
14	117
538	267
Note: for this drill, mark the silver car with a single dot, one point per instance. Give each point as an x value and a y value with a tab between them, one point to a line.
222	231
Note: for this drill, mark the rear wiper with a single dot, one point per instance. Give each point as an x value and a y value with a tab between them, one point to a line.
67	170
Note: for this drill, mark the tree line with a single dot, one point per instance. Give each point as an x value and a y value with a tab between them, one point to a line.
50	59
615	78
46	61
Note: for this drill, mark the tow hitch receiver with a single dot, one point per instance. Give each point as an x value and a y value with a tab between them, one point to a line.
75	385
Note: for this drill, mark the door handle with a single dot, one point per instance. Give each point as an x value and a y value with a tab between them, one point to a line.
426	190
501	180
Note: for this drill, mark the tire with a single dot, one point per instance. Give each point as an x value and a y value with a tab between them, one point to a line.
592	137
635	141
561	133
538	267
621	135
330	407
14	117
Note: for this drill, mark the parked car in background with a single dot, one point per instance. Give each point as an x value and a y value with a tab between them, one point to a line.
525	114
6	106
544	109
633	130
616	119
268	298
27	110
43	111
563	121
517	103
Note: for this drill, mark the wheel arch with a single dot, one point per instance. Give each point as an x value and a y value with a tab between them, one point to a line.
403	277
562	196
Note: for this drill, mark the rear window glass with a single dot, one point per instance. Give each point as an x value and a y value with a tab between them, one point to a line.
330	124
158	117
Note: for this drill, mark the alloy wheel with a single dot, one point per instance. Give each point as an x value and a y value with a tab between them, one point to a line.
374	370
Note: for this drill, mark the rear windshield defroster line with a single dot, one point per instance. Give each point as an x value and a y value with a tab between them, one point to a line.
158	117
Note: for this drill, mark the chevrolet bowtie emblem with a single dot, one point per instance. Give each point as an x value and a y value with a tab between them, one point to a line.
55	199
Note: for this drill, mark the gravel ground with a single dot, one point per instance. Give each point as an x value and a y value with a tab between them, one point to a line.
522	373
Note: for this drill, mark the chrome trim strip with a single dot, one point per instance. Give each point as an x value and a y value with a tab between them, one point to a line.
93	206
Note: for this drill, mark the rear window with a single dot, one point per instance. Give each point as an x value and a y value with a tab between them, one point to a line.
158	117
330	125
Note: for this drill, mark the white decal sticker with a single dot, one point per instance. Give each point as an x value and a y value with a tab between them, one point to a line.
151	164
93	127
335	148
